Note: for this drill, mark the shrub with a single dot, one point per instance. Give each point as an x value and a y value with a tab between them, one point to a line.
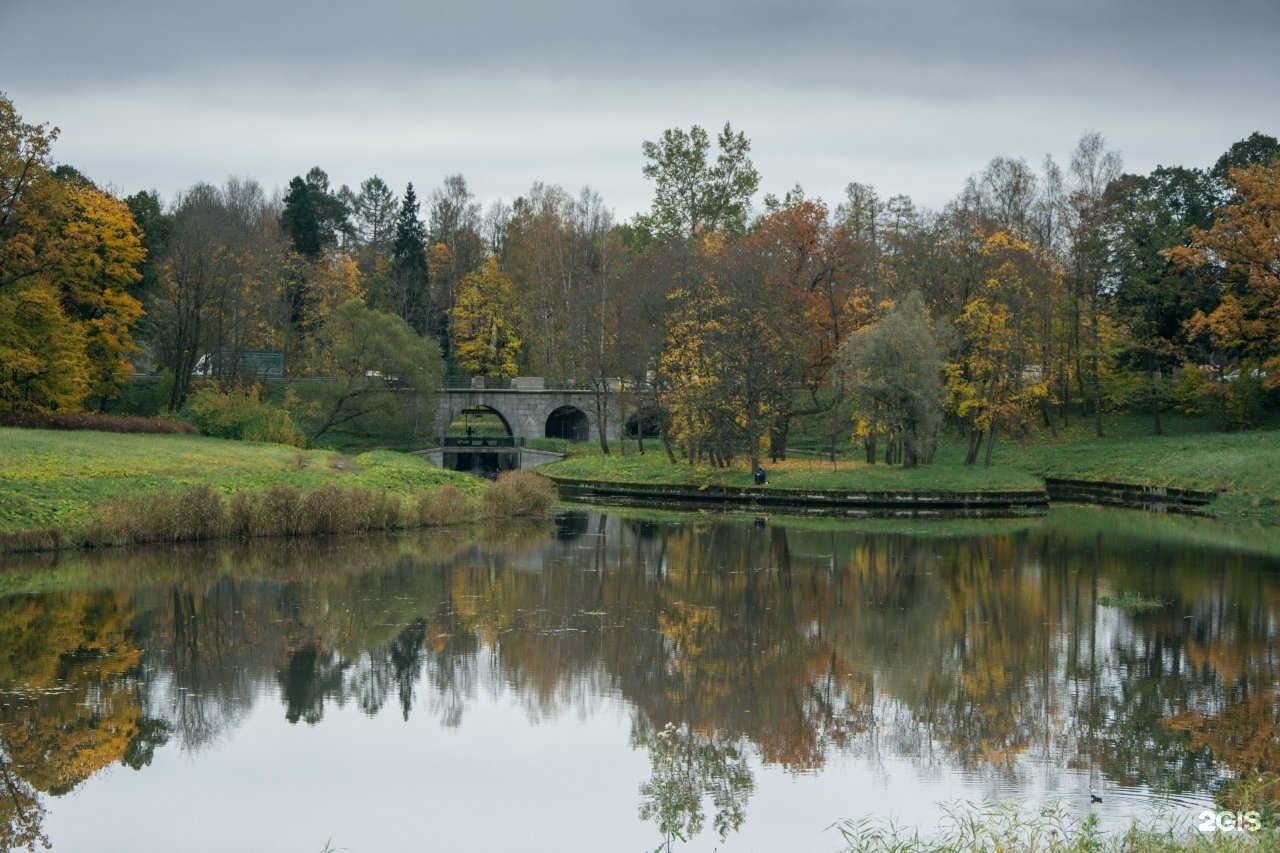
243	415
444	505
147	396
331	509
278	513
519	494
194	513
382	510
36	539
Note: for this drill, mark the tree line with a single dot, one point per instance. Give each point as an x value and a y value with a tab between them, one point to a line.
1034	296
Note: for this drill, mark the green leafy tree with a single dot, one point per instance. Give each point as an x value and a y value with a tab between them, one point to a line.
895	370
693	194
372	357
1152	298
1257	148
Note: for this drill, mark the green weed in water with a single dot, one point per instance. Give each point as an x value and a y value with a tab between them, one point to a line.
1133	602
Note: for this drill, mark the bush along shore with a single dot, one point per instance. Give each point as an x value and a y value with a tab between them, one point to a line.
79	489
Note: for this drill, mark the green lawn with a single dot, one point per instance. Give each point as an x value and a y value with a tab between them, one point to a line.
54	478
653	467
1244	467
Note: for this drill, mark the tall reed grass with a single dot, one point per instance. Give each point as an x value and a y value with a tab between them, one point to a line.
1002	826
200	513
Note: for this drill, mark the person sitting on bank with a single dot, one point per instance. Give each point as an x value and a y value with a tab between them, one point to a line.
761	478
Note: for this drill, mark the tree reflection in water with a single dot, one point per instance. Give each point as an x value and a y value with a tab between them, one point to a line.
688	767
978	646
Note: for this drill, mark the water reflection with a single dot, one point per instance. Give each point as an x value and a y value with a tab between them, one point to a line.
976	648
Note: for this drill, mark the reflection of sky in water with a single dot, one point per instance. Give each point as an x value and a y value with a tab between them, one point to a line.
502	780
534	663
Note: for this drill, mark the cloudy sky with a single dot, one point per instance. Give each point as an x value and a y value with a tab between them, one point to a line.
910	96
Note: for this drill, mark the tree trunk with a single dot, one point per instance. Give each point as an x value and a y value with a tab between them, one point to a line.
602	414
1156	398
975	443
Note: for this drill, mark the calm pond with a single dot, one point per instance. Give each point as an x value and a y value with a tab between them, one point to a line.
620	681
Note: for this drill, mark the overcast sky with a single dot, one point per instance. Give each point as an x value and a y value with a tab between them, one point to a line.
910	96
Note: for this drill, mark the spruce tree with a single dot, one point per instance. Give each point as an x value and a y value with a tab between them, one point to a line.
409	292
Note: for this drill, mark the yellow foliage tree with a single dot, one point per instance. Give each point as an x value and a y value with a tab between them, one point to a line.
1243	250
485	339
994	383
68	253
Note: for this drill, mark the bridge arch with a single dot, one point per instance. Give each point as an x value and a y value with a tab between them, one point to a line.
568	422
477	421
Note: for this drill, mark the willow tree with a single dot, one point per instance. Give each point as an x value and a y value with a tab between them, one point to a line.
894	369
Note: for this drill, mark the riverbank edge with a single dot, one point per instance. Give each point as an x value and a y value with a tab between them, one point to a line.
198	513
828	501
918	503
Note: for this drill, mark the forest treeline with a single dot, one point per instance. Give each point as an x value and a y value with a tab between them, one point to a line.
1034	296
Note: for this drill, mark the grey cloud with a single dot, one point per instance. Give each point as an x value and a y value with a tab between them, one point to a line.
911	96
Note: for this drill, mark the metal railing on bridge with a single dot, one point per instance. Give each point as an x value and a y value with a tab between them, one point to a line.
482	441
531	383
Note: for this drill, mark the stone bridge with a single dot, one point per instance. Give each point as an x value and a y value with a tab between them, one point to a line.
530	410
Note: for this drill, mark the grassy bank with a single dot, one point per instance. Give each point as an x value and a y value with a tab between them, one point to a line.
88	488
1244	467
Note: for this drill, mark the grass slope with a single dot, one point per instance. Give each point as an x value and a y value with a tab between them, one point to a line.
52	478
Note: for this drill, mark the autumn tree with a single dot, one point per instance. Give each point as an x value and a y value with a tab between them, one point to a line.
68	255
729	367
994	382
456	248
1242	252
224	284
1093	168
827	278
693	194
562	256
486	339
